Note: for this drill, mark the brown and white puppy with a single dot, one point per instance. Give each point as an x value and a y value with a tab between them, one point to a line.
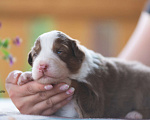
105	87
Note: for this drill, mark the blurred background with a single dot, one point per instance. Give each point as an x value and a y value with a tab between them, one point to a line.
102	25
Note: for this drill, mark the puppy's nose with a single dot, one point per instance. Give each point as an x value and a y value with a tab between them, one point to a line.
43	67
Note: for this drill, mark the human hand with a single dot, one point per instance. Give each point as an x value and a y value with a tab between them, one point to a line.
37	99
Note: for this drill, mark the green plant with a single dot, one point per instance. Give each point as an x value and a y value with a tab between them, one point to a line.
5	45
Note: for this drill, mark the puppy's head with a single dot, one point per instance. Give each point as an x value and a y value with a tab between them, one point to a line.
54	57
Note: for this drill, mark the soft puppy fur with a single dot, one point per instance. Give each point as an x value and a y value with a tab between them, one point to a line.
104	87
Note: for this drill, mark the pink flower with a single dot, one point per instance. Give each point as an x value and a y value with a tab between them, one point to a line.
17	41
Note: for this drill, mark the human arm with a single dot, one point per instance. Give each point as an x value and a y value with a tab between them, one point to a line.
138	46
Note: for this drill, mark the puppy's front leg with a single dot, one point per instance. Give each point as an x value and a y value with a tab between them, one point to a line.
24	78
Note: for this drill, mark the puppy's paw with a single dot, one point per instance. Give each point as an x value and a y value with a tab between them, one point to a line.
24	78
134	115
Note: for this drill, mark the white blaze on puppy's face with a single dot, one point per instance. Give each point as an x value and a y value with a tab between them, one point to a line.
49	65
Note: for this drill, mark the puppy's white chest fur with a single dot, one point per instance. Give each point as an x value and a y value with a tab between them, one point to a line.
68	110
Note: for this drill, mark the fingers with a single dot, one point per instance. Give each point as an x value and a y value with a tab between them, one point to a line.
41	91
26	89
53	100
54	103
33	87
46	103
46	111
12	79
33	97
59	88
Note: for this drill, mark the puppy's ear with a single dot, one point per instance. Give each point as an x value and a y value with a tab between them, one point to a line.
30	59
76	51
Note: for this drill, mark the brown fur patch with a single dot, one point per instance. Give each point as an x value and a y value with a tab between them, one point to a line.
34	52
89	104
114	90
90	97
70	53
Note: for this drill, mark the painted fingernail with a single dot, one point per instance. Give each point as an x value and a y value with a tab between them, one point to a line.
64	87
69	98
48	87
70	91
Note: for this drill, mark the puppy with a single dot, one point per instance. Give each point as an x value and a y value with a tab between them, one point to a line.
105	87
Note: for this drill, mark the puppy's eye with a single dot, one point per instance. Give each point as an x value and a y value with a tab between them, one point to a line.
59	52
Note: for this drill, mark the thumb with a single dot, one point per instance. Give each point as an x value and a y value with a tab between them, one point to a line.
12	79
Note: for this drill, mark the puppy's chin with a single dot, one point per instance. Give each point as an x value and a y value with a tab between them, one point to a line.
48	80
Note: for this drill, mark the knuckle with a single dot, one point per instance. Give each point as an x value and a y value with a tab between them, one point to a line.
9	75
40	87
48	112
29	89
54	109
42	95
50	103
24	110
63	103
12	94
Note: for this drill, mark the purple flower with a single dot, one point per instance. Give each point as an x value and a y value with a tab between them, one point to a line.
17	41
11	60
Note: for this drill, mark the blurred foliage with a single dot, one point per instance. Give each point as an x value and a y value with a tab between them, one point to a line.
4	48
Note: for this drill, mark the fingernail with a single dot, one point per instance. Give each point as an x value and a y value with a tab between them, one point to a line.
64	87
69	98
48	87
70	91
